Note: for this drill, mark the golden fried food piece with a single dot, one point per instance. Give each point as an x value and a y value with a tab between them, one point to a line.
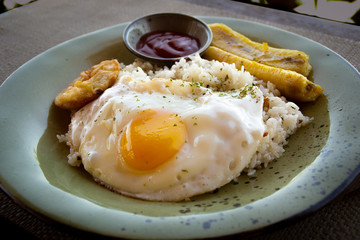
236	43
91	84
292	85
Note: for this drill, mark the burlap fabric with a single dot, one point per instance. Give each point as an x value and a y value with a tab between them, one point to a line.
30	30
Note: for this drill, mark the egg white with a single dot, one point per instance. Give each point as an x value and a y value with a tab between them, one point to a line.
223	132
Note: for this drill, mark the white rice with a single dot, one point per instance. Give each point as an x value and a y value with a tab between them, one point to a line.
281	117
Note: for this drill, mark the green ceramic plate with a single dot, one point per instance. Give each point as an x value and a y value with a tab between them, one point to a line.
320	159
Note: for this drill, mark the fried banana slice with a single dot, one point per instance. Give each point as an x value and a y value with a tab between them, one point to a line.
89	85
292	85
236	43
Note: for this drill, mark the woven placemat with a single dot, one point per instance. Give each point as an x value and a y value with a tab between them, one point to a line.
30	30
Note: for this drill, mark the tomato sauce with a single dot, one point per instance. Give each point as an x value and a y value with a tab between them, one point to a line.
167	44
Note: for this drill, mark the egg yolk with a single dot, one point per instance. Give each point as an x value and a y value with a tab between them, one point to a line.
151	139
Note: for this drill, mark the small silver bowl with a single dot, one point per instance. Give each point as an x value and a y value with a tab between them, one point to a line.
174	22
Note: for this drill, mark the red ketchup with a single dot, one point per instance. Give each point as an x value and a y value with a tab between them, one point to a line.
167	44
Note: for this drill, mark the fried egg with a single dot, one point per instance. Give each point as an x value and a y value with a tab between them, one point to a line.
167	140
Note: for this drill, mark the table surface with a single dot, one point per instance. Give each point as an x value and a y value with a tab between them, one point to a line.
28	31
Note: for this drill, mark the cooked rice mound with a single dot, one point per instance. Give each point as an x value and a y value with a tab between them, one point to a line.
281	117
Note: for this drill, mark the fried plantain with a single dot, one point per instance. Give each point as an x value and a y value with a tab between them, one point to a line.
89	85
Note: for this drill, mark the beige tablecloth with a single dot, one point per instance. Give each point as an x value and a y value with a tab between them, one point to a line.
32	29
